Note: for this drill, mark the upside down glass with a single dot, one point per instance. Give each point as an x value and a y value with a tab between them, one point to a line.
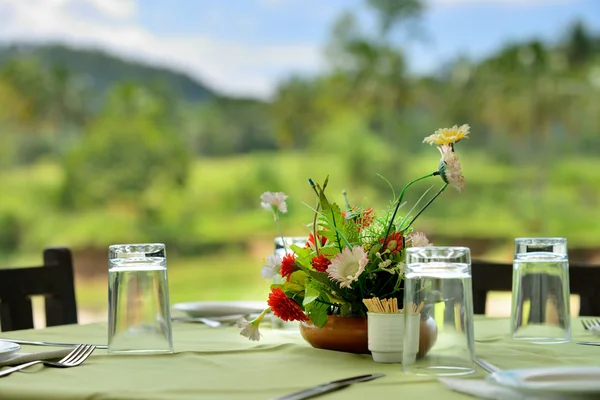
437	283
139	317
540	309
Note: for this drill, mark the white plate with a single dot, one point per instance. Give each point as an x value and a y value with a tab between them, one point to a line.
551	380
7	349
211	309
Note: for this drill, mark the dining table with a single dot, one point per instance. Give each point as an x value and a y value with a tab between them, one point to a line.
217	363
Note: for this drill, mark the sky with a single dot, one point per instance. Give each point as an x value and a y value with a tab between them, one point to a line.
246	47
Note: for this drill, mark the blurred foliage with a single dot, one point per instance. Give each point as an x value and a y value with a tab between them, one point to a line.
95	150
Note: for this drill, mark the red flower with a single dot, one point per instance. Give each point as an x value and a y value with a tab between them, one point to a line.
285	308
394	242
321	263
311	241
288	265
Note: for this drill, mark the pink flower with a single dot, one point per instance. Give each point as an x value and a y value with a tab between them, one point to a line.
418	239
347	266
450	170
274	201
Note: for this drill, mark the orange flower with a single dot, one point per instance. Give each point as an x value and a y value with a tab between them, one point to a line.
366	219
285	308
394	242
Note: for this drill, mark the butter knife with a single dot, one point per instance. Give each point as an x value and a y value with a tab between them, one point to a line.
491	368
36	343
590	343
328	387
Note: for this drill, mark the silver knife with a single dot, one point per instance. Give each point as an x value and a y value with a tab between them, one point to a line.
590	343
487	366
36	343
328	387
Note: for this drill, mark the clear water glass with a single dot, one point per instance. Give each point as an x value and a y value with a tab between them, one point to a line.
139	316
540	309
438	282
280	250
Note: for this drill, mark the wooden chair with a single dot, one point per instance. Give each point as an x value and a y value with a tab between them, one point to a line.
53	280
584	280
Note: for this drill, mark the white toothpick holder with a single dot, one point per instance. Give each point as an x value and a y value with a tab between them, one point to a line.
386	336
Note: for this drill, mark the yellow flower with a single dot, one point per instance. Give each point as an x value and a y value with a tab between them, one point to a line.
448	135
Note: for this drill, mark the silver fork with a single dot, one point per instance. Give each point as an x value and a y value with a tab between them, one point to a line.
590	323
76	357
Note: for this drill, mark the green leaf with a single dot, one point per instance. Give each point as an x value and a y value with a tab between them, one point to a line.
310	295
376	247
329	250
335	227
318	314
298	278
289	287
303	255
345	310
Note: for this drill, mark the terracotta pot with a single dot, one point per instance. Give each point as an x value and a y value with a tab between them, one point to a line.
427	336
350	335
347	334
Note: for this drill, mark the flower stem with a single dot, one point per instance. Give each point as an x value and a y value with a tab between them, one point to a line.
427	205
399	201
315	228
259	319
276	217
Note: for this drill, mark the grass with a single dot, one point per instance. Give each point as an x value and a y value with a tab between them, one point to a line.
228	234
217	277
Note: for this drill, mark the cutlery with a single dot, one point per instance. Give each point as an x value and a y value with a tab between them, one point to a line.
39	343
590	343
589	324
76	357
206	321
328	387
487	366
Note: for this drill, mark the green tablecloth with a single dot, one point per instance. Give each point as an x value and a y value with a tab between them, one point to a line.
216	363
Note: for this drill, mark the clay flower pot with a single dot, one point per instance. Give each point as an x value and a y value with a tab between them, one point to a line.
347	334
350	335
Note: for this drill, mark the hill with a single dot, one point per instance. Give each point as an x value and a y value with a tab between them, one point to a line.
103	70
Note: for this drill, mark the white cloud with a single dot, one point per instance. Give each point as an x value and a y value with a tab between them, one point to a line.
241	68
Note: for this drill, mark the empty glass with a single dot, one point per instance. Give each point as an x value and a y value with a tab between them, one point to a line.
437	285
299	241
139	317
540	310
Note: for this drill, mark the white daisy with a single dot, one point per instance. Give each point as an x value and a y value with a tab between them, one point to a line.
347	266
274	201
248	329
272	266
418	239
450	169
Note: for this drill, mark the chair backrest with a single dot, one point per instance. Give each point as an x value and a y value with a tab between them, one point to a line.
53	280
584	280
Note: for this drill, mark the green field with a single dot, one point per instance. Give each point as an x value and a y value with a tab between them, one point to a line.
217	234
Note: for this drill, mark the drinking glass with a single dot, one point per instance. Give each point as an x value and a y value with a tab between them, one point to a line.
540	309
280	250
438	287
139	316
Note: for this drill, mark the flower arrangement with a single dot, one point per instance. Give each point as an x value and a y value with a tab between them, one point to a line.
351	255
